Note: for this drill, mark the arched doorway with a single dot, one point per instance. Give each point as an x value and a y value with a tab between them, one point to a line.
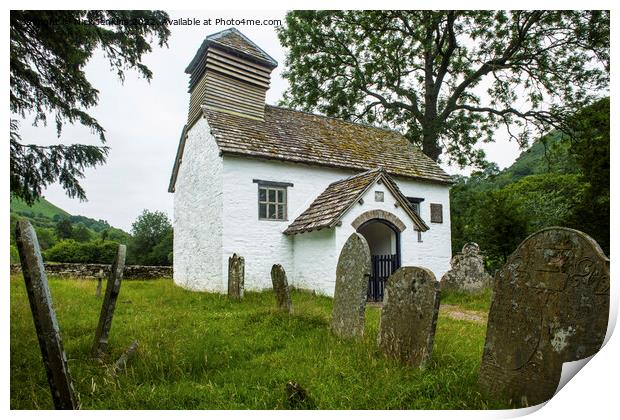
383	239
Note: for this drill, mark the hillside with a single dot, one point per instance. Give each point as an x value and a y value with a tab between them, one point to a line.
556	182
40	207
55	226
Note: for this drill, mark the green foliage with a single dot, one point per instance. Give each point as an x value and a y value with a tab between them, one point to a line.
204	351
502	226
49	51
420	71
559	181
71	251
14	258
152	239
591	147
64	229
81	233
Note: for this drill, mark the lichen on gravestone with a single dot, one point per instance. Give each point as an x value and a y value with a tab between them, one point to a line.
281	289
236	276
44	317
550	306
409	316
112	291
350	294
467	273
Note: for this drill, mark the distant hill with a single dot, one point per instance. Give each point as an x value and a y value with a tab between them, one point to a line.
548	154
44	216
40	207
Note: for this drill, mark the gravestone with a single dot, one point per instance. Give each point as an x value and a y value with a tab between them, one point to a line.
44	317
281	289
467	273
236	276
550	306
113	288
409	316
351	291
100	276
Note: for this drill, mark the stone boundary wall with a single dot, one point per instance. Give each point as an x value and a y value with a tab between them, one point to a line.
91	271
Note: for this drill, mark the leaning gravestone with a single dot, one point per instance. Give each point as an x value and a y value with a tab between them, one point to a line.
351	291
550	306
409	316
280	288
113	288
46	325
467	273
236	276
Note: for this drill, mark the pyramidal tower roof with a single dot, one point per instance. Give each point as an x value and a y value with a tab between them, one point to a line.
232	41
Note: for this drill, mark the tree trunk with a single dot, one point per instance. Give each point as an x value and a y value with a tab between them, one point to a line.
430	144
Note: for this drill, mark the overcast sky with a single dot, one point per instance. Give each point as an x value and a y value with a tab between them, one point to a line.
143	123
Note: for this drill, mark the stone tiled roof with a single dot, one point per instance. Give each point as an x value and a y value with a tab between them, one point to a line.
232	40
302	137
329	207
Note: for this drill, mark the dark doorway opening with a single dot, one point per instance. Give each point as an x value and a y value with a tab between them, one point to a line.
384	241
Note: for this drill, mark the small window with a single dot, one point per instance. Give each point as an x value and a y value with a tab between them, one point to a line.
415	204
379	196
436	213
271	202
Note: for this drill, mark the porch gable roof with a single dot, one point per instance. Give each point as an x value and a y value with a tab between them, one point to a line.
333	203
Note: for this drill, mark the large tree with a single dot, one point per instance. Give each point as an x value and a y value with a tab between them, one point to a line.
447	78
49	50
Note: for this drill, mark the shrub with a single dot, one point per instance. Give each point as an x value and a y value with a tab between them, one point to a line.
71	251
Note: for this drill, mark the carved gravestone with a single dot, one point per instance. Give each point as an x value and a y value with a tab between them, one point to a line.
113	288
351	291
409	316
236	276
44	317
467	273
550	306
281	289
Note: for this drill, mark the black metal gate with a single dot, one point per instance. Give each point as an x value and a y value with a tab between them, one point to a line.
382	267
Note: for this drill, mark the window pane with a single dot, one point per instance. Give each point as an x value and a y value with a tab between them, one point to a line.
272	196
262	194
280	212
262	211
280	196
272	211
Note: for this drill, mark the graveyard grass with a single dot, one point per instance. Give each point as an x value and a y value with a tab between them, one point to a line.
204	351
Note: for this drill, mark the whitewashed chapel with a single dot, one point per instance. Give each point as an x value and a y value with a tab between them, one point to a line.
282	186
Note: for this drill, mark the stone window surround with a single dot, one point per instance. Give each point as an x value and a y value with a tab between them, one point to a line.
273	185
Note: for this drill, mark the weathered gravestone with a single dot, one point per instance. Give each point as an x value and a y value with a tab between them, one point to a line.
46	325
409	316
100	276
550	306
351	291
113	288
467	273
236	276
281	289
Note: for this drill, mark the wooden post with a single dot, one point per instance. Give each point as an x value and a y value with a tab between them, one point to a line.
44	317
112	290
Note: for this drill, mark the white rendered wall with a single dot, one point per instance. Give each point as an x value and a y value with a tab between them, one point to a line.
434	252
310	258
197	249
261	242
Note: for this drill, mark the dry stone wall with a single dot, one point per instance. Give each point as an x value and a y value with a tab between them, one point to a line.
88	271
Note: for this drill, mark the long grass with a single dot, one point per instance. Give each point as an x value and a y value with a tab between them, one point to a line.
203	351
